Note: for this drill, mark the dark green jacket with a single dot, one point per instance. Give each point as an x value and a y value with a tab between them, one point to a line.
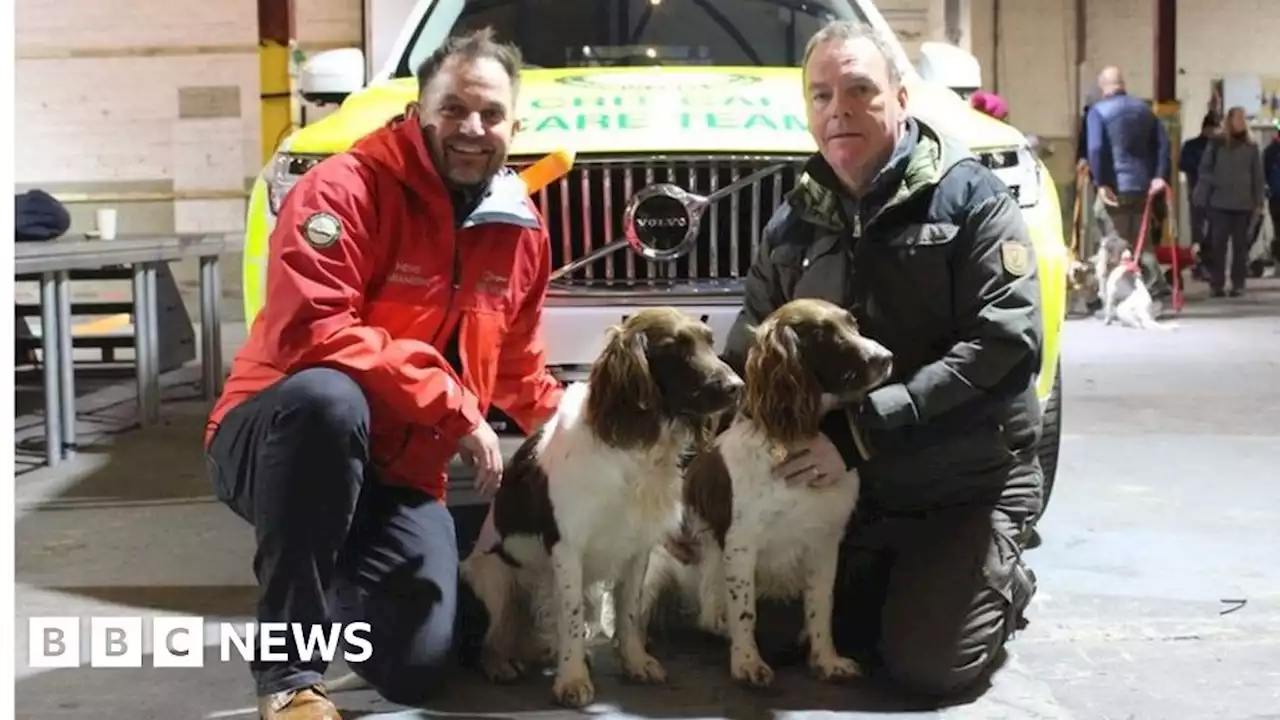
937	264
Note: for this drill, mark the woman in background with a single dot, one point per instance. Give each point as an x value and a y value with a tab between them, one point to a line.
1231	186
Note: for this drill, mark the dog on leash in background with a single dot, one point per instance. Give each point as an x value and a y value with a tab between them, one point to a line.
588	496
757	536
1126	297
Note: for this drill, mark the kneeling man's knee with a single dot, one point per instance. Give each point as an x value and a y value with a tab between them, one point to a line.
943	670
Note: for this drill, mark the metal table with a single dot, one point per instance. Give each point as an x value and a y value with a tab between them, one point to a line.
53	261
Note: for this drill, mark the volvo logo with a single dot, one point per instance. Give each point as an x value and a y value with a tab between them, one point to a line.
661	221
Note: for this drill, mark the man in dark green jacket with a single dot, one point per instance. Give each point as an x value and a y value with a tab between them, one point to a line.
930	251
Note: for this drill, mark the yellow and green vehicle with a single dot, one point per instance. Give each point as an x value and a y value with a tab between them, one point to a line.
656	99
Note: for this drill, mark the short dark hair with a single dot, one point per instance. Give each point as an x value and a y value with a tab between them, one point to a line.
475	45
1211	120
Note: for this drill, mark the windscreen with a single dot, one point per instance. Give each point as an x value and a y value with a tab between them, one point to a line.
610	33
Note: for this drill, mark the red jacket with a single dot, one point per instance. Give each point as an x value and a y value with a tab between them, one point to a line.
379	300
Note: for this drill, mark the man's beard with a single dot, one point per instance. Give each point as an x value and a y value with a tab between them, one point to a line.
439	154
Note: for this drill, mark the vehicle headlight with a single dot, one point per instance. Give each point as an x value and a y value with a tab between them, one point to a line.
282	173
1019	168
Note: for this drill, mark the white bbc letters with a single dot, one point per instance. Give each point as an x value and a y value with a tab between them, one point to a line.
53	642
115	642
177	642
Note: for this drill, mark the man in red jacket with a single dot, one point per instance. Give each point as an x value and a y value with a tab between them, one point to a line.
405	285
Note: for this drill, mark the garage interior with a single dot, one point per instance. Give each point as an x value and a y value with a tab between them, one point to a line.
1159	594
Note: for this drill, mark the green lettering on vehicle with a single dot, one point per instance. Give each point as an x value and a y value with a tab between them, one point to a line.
551	122
794	122
688	120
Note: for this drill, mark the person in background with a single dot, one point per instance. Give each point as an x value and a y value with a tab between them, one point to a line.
1129	161
1271	170
1189	161
1232	187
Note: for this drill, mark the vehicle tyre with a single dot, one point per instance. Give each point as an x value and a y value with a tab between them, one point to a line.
1050	440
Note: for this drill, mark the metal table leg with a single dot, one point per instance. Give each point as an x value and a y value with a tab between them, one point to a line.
153	345
66	366
49	358
142	355
210	328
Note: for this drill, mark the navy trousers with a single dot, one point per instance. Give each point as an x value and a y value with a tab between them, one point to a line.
333	544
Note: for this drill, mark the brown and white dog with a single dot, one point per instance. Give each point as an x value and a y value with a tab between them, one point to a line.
758	535
588	496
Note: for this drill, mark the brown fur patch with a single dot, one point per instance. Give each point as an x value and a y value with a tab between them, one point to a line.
708	493
522	505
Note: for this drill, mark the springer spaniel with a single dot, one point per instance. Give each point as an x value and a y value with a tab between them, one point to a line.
757	535
1126	298
588	496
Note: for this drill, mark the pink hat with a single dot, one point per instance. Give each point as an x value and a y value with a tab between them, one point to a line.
990	103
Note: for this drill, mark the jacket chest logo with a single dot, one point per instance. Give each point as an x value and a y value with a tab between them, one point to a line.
408	274
494	284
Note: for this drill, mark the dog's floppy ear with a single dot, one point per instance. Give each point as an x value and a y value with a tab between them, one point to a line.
624	403
781	394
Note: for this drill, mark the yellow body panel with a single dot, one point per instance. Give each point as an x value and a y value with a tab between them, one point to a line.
721	110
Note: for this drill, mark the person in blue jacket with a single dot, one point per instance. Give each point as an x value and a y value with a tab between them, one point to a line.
1128	155
1271	172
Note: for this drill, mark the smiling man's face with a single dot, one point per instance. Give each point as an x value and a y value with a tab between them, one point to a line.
468	119
855	111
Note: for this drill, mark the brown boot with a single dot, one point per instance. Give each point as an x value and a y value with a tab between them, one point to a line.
309	703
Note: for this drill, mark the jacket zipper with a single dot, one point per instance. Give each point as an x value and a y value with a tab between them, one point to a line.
455	284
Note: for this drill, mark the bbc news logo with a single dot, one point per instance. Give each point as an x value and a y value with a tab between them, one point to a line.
179	642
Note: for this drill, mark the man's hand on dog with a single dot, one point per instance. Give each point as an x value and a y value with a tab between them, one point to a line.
480	449
815	462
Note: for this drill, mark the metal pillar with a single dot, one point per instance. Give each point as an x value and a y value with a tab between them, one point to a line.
1166	104
275	48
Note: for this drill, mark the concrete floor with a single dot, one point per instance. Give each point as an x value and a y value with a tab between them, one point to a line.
1164	521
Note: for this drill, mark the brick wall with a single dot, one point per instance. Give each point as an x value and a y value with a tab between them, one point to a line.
149	99
151	107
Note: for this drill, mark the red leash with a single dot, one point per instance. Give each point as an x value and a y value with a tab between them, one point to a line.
1142	240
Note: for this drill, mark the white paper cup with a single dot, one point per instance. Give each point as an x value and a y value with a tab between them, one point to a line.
106	220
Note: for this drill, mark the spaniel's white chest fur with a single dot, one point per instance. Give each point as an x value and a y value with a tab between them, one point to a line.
608	503
787	525
610	507
781	541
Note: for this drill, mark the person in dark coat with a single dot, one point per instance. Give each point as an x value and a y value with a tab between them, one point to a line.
929	251
1189	161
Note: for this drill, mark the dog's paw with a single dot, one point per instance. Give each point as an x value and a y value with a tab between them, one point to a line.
835	668
501	669
574	690
644	668
751	670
